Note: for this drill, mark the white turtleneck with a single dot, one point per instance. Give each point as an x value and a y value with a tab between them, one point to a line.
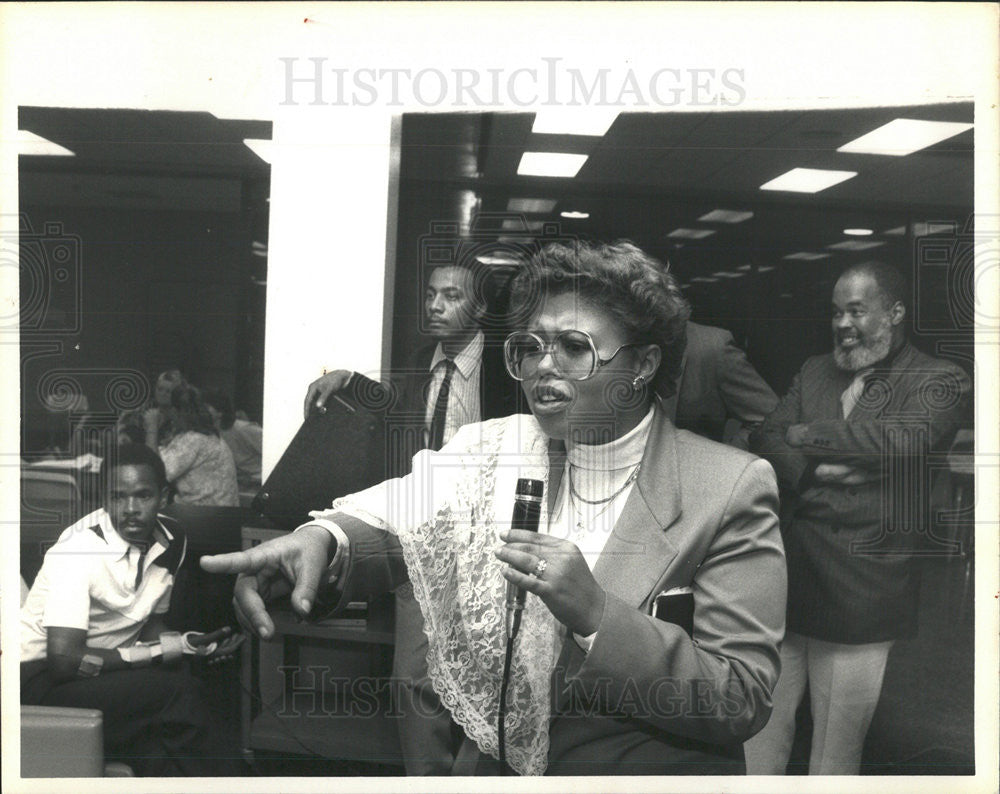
597	471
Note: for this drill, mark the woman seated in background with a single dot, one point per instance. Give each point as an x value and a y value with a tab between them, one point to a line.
131	424
244	438
649	641
200	467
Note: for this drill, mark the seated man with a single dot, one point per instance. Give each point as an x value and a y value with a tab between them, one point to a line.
93	634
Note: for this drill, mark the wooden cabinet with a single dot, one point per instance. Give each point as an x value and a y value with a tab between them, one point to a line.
320	688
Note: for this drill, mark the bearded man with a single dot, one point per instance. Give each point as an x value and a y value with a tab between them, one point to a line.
849	443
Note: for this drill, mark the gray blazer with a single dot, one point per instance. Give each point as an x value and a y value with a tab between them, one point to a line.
648	699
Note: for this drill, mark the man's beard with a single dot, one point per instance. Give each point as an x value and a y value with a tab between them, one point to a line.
869	351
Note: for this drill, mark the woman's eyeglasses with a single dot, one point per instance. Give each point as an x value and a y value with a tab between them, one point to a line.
573	352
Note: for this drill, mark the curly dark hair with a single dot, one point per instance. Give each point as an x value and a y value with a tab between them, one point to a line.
132	455
623	280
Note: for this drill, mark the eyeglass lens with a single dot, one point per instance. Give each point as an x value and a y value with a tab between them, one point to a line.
572	352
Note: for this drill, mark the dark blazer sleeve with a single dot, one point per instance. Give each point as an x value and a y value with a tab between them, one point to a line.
374	566
768	441
716	686
935	402
744	392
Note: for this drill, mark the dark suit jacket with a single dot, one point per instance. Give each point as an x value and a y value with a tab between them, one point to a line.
647	699
718	383
404	402
850	548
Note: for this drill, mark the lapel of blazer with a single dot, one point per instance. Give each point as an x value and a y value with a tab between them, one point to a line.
638	549
895	386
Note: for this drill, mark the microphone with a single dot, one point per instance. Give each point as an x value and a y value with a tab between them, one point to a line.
527	510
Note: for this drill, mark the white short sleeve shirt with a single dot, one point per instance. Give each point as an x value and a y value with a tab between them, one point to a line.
90	580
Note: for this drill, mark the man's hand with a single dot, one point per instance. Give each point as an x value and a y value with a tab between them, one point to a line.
292	563
226	644
842	474
795	435
321	388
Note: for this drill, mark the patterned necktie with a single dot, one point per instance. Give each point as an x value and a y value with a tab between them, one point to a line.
853	392
441	406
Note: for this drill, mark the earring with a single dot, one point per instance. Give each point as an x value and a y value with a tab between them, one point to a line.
638	383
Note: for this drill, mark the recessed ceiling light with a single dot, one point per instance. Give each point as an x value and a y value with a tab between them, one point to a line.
726	216
855	245
261	147
765	269
808	180
498	259
574	121
806	256
703	280
904	136
30	144
691	234
858	232
896	231
745	268
531	205
573	215
550	164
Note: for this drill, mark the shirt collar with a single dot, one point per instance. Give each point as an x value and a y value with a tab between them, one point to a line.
119	547
468	358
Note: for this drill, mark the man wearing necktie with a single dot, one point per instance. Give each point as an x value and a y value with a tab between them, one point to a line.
457	379
849	443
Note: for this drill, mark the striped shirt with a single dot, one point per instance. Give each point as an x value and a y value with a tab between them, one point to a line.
463	398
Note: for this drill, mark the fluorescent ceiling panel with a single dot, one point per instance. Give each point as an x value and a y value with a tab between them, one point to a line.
904	136
728	274
573	215
805	256
517	225
858	232
574	121
896	231
808	180
557	164
726	216
703	280
855	245
765	269
691	234
531	205
923	228
30	144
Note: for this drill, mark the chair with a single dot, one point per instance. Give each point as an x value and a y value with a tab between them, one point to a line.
50	502
64	742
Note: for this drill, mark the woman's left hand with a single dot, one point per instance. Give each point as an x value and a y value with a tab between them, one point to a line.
566	585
